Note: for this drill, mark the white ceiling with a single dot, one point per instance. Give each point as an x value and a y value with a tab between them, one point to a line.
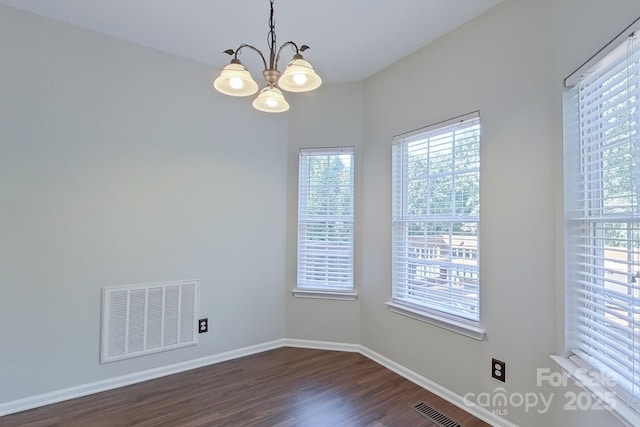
349	39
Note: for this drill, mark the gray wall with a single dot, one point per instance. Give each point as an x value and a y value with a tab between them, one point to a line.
499	64
509	63
329	117
121	165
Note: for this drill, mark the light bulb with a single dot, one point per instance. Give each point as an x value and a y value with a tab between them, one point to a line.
299	79
271	102
236	82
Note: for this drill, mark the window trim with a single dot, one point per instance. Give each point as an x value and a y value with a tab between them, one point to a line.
618	407
322	294
328	292
438	320
571	362
459	324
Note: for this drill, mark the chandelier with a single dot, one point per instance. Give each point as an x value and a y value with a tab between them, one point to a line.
298	76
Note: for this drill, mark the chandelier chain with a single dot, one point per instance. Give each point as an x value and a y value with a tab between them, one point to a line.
271	38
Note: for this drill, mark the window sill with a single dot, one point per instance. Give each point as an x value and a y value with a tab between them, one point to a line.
325	294
603	396
440	321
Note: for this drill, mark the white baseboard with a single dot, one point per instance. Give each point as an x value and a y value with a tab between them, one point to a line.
323	345
137	377
440	391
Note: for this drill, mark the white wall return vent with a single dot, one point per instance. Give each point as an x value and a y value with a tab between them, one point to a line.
143	319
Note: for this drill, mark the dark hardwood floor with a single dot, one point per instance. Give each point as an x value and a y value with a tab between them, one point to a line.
283	387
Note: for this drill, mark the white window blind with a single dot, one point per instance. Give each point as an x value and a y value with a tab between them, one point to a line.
325	219
436	207
602	186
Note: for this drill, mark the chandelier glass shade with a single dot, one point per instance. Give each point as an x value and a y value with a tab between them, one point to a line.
270	100
235	80
299	76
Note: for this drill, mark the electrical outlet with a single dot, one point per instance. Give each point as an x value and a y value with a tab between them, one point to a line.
499	370
203	326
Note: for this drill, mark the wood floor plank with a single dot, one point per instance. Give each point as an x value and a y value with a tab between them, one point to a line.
285	387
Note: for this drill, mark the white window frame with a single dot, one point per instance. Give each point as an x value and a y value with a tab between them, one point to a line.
602	96
325	271
452	299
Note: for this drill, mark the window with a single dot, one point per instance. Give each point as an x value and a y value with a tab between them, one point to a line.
602	214
325	222
436	207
